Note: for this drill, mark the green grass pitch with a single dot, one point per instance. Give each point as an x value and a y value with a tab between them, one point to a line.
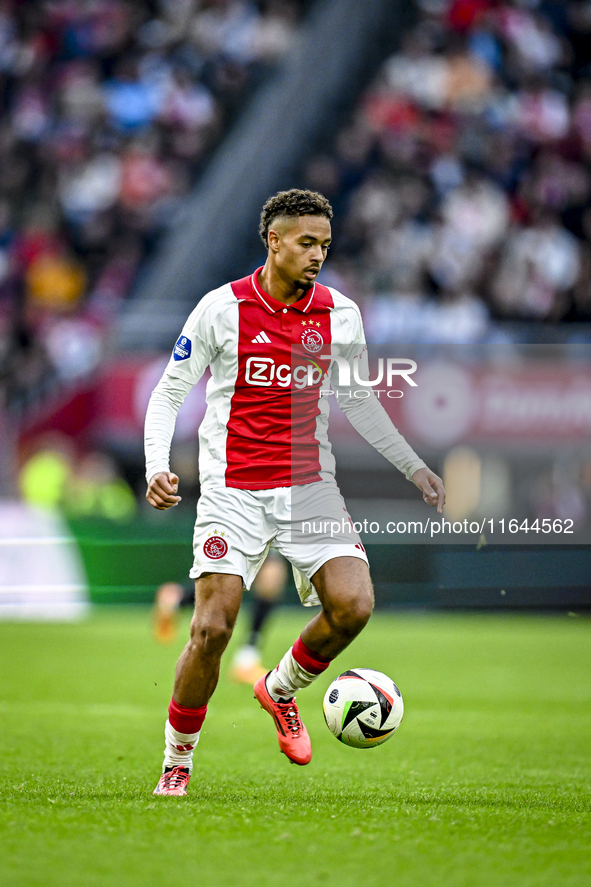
486	783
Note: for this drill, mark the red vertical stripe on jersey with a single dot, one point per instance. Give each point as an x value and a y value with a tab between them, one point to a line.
272	424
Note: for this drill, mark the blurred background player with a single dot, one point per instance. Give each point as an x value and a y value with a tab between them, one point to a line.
268	589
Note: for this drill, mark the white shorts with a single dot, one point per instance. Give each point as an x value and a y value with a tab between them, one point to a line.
308	524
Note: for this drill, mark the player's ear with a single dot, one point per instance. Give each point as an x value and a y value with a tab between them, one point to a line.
273	240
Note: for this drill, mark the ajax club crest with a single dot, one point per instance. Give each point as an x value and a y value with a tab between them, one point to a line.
312	341
215	547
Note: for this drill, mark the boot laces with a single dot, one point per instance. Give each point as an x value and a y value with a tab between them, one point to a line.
175	778
290	716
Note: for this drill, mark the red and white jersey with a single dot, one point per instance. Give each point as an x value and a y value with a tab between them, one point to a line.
266	423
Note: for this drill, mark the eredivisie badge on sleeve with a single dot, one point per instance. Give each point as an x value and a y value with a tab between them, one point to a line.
182	349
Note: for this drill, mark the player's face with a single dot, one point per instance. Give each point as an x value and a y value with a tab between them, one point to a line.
300	246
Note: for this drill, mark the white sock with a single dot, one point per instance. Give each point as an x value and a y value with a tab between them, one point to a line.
288	677
179	748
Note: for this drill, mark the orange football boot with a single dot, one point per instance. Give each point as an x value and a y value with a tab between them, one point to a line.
291	733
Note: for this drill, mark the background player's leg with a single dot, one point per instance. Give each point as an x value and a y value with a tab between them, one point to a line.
267	589
217	601
170	597
345	591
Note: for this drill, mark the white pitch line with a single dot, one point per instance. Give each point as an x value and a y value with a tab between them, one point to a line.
44	540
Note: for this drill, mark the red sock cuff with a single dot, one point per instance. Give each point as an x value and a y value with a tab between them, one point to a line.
185	720
308	659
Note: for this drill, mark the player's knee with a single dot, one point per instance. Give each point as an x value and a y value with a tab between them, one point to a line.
212	634
360	612
348	616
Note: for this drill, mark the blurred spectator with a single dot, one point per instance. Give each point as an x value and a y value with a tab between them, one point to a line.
27	373
52	478
560	493
95	489
540	263
45	474
55	281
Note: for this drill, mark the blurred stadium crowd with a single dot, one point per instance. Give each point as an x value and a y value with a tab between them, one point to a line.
110	109
461	183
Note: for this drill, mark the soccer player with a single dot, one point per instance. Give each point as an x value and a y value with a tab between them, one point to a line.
267	589
267	471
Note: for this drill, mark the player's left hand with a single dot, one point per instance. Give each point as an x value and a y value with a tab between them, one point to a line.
431	487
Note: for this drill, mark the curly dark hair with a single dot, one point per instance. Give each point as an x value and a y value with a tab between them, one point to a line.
293	203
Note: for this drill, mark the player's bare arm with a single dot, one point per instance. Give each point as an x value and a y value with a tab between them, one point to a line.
162	490
431	486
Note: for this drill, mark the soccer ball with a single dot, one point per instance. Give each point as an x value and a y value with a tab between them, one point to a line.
363	707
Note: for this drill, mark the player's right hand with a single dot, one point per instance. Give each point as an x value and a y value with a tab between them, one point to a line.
162	490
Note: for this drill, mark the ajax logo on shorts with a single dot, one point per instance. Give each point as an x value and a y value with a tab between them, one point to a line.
312	341
182	349
215	547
